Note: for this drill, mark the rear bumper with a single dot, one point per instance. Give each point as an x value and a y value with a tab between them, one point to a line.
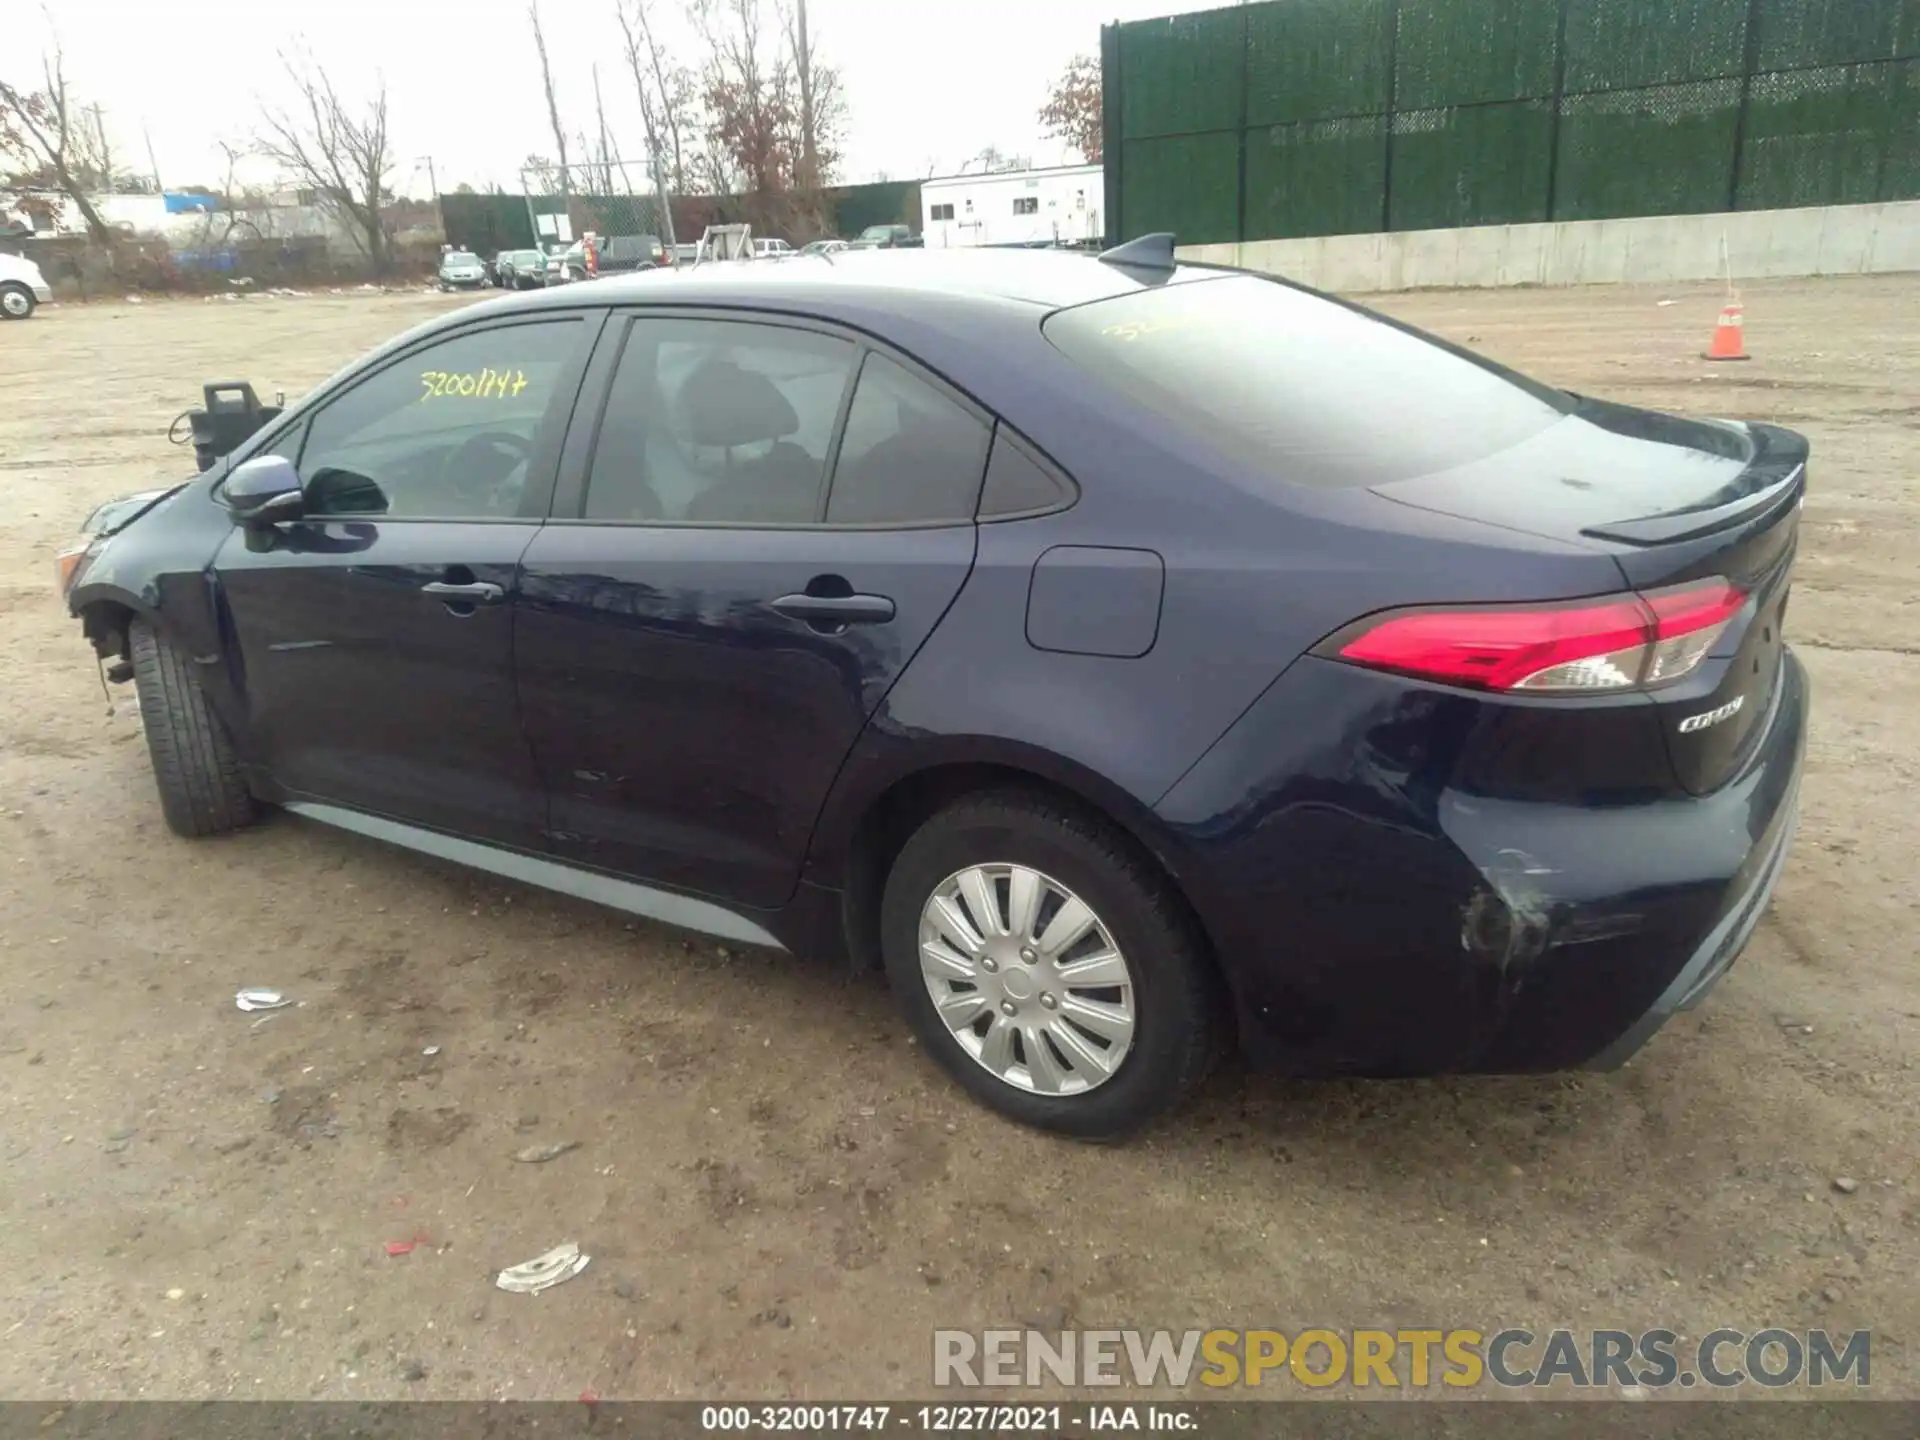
1722	946
1383	918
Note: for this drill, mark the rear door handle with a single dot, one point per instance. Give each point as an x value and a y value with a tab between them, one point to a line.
836	609
480	592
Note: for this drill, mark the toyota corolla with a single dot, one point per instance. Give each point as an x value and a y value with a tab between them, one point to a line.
1130	658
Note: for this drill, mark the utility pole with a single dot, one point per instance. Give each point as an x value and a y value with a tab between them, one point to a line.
666	209
106	155
152	163
433	184
810	176
600	118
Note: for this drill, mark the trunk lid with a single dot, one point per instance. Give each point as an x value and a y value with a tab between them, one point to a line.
1672	501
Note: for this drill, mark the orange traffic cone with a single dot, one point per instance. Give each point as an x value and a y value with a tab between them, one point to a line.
1729	336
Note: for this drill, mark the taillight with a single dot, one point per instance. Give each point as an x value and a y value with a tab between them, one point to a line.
1687	621
1615	643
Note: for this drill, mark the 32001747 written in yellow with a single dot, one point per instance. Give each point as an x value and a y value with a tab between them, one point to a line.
485	385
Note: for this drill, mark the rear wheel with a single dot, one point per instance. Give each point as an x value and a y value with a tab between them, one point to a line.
16	302
202	791
1049	969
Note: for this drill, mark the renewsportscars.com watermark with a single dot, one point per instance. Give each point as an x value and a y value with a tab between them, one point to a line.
1400	1359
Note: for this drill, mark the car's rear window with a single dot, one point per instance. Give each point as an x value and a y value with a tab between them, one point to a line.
1300	387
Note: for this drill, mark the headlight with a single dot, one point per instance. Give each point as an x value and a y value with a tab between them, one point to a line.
68	564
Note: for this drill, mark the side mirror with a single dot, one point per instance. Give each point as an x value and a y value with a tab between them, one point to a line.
264	490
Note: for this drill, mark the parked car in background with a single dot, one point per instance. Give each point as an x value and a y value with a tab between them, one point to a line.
823	247
891	237
554	266
22	287
520	269
462	270
1032	626
616	255
772	248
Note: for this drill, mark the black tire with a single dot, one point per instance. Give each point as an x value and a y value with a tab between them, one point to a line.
202	790
1175	991
20	302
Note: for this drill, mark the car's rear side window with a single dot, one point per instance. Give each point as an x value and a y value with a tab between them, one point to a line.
909	455
719	422
1301	388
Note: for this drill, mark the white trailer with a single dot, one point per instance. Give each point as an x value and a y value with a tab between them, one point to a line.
1013	207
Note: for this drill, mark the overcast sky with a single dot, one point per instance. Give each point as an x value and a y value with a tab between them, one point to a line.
929	82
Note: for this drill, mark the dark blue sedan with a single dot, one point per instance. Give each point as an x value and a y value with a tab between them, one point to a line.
1127	657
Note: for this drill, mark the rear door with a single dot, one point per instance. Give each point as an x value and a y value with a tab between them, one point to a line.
375	634
703	641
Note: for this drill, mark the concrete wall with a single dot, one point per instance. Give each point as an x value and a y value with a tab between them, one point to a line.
1827	240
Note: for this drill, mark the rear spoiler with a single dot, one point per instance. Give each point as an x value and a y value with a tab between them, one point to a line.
1776	474
1691	524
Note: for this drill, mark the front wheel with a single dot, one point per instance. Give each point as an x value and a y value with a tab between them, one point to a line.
16	302
202	790
1051	970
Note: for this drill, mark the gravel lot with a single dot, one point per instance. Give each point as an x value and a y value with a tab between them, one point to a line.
780	1195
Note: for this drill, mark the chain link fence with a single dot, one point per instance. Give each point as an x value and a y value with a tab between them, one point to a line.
1324	117
557	206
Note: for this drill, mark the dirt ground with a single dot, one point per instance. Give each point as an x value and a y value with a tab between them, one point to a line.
780	1194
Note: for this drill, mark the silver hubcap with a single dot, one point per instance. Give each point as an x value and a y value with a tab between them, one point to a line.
1027	978
14	301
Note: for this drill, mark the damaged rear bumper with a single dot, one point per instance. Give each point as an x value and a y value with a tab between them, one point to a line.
1442	931
1654	906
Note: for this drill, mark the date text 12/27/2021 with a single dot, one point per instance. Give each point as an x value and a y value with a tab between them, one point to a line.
980	1419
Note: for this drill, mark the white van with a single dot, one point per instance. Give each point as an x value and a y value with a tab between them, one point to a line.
22	287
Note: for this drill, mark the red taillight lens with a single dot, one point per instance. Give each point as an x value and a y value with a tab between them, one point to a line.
1612	644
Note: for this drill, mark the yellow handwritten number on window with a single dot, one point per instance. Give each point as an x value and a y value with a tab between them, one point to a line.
1131	330
488	384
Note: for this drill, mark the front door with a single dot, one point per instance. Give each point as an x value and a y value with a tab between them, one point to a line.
700	648
374	635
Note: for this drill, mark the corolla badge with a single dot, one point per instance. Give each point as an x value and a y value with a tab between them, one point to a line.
1712	717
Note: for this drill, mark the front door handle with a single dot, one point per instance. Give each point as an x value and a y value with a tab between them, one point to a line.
836	610
480	592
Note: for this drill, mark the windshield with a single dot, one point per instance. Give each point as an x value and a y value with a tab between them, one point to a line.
461	257
1303	387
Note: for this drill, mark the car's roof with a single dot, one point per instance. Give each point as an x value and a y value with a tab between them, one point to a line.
898	279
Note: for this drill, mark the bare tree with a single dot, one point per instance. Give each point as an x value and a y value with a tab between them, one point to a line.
225	215
46	127
800	50
667	92
820	113
607	157
747	95
344	157
553	100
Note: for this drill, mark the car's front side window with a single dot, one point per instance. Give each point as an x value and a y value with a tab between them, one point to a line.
449	432
719	422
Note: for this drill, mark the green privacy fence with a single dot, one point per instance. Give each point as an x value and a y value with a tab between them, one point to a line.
1327	117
